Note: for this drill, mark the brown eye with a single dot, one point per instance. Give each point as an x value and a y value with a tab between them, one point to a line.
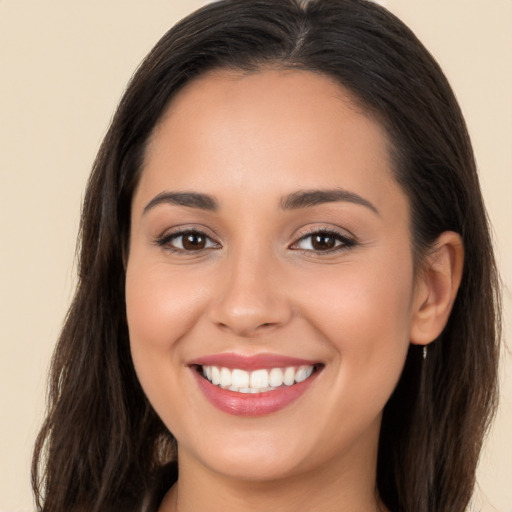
187	241
324	241
193	241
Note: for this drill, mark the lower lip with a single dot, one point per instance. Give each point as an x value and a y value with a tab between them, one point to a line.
247	404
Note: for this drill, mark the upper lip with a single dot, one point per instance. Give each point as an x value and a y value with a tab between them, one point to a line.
255	362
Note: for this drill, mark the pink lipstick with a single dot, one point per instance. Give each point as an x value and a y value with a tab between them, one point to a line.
255	385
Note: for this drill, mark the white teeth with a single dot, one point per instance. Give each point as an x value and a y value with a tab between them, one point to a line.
225	378
303	373
289	376
215	375
257	381
275	377
240	378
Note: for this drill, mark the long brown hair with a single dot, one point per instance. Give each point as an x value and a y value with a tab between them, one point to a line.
102	447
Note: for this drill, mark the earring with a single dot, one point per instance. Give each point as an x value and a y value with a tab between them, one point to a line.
425	352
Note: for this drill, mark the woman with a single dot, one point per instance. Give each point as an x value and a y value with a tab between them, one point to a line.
287	291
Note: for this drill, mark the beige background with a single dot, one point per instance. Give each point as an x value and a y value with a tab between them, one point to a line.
63	67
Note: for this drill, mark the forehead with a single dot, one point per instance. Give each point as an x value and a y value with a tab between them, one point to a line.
272	129
289	103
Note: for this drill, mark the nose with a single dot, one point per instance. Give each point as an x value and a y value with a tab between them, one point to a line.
251	297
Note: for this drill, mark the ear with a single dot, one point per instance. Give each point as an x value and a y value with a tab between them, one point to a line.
436	288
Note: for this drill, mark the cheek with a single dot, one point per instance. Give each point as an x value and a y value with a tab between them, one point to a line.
363	312
363	317
161	308
361	297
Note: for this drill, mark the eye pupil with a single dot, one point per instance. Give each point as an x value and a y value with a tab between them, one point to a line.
193	241
323	242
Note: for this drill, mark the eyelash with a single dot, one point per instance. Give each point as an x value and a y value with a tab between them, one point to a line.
341	240
345	242
166	240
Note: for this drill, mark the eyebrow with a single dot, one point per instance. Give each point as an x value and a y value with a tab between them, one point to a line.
190	199
308	198
295	201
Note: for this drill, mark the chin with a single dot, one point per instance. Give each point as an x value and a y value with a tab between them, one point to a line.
255	455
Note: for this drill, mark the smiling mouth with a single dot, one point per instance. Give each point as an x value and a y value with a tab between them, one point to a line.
256	381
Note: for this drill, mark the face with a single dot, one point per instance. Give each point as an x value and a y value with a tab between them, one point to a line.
269	285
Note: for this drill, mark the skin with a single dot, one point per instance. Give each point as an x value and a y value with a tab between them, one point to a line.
260	286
